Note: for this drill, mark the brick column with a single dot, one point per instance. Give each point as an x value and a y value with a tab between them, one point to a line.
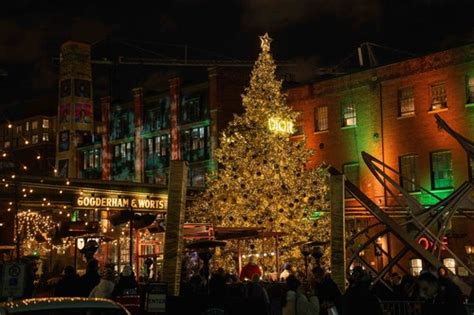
106	150
175	85
338	240
174	242
138	110
213	112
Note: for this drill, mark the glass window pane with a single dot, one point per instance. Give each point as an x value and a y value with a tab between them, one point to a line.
321	118
439	97
441	170
349	115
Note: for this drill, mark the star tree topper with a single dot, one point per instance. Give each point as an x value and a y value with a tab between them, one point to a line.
265	41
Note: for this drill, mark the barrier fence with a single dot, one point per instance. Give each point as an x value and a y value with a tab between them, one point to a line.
411	308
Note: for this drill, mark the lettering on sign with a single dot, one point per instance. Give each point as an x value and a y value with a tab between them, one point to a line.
430	245
116	202
280	125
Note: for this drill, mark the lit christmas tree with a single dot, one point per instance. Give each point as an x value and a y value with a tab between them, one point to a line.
261	179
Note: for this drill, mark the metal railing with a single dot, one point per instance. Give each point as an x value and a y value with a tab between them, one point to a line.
411	308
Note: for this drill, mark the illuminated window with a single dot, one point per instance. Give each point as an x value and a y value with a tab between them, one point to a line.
197	177
27	126
416	265
351	171
117	151
195	144
45	137
406	102
349	117
321	118
6	144
439	98
450	263
34	125
45	124
34	139
299	125
441	170
408	172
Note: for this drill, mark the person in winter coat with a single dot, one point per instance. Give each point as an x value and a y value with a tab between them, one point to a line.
106	286
441	297
358	298
127	283
326	290
295	302
250	269
90	279
67	286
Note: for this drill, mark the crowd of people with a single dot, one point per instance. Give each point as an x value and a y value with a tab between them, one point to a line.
317	293
92	283
292	292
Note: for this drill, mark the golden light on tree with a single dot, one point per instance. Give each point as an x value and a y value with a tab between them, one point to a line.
262	180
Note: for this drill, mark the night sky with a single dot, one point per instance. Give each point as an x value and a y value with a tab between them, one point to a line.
315	32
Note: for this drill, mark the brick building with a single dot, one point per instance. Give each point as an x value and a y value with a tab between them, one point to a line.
388	112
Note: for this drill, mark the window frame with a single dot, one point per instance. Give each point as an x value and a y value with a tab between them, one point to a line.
432	170
346	117
317	118
415	168
433	97
402	98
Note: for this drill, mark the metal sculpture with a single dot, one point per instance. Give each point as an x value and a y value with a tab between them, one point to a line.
430	223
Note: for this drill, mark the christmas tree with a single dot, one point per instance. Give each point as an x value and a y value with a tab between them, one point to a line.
262	180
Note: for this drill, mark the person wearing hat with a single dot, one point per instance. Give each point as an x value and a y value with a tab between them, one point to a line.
249	270
106	286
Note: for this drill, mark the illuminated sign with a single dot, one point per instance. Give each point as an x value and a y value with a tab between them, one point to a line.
280	125
430	245
122	202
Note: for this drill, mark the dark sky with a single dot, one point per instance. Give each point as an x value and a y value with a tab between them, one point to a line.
321	32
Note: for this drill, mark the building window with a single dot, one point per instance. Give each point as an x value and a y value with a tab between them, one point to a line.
45	137
27	126
450	263
408	172
6	144
406	102
34	125
441	170
193	108
195	143
321	118
45	124
34	139
439	98
351	171
197	177
158	117
19	129
416	266
117	151
349	117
